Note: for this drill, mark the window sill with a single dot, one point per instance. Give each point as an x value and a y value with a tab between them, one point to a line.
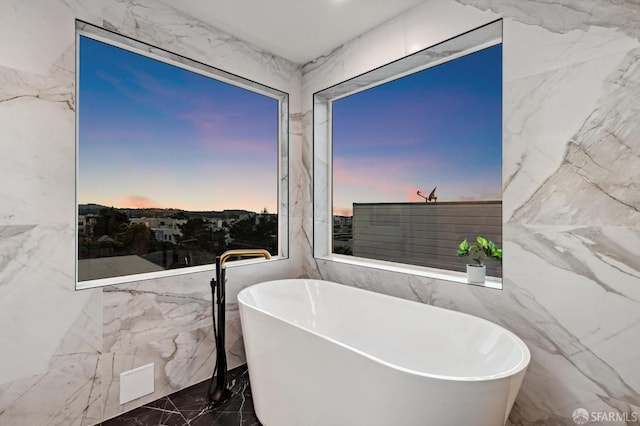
420	271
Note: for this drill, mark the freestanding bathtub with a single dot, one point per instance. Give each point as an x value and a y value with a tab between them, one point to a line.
325	354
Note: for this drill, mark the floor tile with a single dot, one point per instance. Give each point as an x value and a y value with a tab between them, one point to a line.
190	407
160	412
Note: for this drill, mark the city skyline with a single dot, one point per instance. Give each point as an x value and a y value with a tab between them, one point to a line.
156	135
438	127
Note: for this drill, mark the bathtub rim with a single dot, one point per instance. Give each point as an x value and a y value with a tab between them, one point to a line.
519	367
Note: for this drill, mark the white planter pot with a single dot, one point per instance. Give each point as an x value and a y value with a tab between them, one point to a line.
475	273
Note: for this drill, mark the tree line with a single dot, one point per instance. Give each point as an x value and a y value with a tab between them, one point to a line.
114	235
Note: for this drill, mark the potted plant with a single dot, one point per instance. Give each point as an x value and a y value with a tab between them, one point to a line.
482	249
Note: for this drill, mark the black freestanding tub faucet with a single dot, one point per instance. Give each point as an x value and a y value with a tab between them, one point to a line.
221	393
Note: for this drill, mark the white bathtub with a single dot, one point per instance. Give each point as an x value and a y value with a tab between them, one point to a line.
326	354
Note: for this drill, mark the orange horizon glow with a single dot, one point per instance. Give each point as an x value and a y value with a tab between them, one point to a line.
140	202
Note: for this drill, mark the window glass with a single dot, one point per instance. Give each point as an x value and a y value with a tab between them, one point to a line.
416	161
175	165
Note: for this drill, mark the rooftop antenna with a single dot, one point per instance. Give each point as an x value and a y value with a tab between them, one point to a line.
431	197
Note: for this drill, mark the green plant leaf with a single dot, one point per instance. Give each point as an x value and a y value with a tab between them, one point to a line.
463	249
483	248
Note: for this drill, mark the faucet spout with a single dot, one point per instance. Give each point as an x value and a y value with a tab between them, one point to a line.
243	252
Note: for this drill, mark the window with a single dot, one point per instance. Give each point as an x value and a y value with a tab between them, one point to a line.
177	162
413	156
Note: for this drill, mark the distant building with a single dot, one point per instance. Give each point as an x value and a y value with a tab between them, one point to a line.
165	229
342	221
86	223
342	234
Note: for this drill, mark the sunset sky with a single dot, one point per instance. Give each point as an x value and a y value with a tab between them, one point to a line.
155	135
441	126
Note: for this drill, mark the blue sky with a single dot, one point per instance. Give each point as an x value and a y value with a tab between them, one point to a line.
156	135
441	126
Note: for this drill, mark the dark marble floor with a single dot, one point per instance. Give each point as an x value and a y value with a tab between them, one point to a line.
190	407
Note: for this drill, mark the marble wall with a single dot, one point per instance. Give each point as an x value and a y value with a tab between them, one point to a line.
571	212
63	350
571	207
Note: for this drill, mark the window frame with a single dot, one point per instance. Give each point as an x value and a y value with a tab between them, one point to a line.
474	40
84	29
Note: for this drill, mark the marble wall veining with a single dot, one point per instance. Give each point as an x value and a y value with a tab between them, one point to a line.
63	350
571	167
571	198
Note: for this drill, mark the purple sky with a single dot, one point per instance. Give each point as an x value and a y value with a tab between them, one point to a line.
441	126
155	135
